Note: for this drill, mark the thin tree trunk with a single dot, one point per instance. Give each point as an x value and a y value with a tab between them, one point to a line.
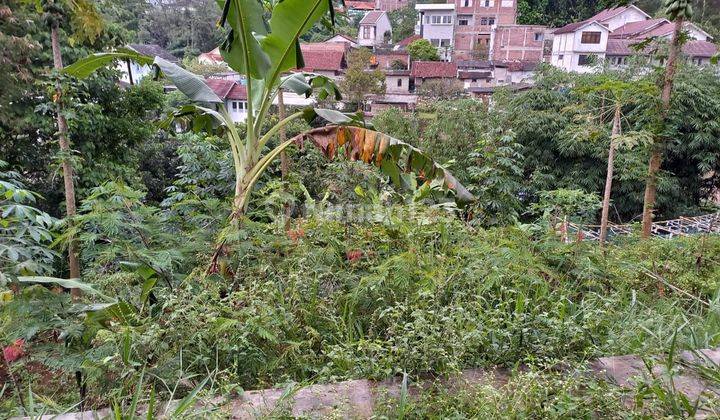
67	168
609	177
656	157
284	160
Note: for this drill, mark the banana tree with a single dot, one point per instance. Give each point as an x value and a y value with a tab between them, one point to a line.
263	45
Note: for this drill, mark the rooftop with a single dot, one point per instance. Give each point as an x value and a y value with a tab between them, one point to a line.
328	56
227	89
606	14
572	27
435	6
433	69
632	29
409	40
692	48
360	5
372	18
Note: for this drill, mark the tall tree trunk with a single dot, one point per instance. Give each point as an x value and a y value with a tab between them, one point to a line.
656	157
609	176
67	168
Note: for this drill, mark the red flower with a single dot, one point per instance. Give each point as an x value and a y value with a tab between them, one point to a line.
354	255
14	351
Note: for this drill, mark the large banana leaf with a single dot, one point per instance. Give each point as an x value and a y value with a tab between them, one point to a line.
192	85
391	155
290	19
241	49
88	65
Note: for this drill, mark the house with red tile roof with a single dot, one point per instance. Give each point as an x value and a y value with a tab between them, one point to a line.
344	39
608	36
212	57
233	95
359	5
326	58
421	71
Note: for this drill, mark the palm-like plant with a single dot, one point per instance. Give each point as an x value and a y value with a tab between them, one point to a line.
678	11
263	45
616	94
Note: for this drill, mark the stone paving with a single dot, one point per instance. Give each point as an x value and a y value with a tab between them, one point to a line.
356	399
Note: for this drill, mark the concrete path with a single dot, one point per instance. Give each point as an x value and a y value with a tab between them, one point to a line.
356	399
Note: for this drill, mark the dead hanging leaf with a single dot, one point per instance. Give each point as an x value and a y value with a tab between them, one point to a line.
391	155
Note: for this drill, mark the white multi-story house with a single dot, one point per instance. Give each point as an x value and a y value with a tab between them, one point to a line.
375	29
436	23
578	47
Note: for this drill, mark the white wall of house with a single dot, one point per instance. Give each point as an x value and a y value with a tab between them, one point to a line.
630	15
367	35
237	110
371	35
696	33
573	51
437	25
395	84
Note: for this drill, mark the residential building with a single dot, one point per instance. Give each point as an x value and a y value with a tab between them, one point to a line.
131	72
343	39
609	35
397	82
436	23
233	95
620	50
578	46
362	6
384	59
616	17
519	42
375	29
211	58
662	28
326	58
475	20
421	71
390	5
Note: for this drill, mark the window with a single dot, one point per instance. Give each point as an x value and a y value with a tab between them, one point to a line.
618	61
538	36
234	105
447	19
467	3
590	38
586	59
366	32
435	42
561	57
444	42
488	3
491	21
464	20
399	83
483	21
436	19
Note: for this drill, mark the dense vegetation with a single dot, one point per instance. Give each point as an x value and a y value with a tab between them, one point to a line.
199	280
